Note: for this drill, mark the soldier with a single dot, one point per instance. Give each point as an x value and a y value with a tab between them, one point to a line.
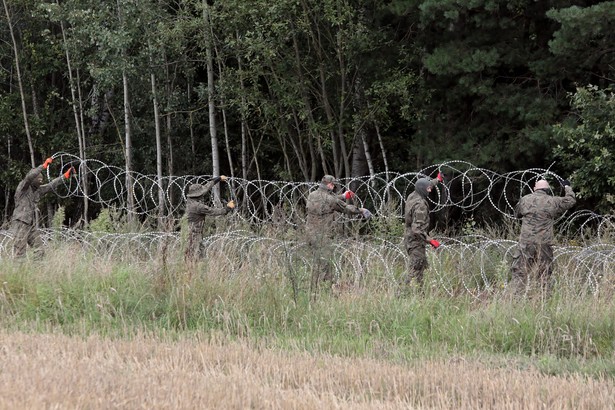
24	218
322	204
538	211
196	211
416	215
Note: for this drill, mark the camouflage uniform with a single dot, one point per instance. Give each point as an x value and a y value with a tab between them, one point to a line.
322	205
535	251
416	215
23	222
196	211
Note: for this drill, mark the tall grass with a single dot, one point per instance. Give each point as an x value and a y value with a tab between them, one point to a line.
83	293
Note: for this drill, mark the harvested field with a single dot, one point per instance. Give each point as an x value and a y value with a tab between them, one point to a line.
59	371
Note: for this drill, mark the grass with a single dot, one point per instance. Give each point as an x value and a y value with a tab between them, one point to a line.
161	371
86	294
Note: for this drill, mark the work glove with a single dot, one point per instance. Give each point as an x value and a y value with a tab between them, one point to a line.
564	182
230	204
223	178
434	243
440	177
366	213
348	194
47	162
70	171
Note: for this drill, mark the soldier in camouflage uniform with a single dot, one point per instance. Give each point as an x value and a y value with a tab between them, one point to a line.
416	215
538	211
322	206
196	211
25	216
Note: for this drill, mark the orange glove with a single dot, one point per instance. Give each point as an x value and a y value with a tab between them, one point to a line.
348	194
71	170
434	243
47	162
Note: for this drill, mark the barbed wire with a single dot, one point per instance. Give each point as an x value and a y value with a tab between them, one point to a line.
466	188
586	254
473	264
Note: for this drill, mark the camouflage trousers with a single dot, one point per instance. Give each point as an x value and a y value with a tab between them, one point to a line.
418	261
320	257
532	260
194	245
25	235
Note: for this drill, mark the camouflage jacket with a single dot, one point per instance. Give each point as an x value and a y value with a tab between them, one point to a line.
27	196
416	215
538	211
322	205
196	210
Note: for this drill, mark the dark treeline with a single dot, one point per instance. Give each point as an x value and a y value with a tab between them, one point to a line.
293	89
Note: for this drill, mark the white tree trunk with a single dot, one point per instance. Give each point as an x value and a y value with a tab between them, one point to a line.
21	92
215	158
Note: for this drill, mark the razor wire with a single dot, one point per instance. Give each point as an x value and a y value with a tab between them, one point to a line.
586	256
472	264
466	188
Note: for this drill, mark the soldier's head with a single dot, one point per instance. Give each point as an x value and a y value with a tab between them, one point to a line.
38	181
328	181
195	191
541	184
423	187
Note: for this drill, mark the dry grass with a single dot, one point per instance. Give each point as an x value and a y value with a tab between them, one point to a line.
58	371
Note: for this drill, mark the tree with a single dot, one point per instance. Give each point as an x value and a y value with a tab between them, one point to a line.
19	82
586	145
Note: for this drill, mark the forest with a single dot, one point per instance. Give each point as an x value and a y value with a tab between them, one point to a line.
293	89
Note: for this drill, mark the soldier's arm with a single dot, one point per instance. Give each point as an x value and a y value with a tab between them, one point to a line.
407	213
341	206
210	184
519	209
420	224
204	210
567	201
56	182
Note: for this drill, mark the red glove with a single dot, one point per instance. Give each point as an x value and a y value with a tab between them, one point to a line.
348	194
434	243
67	173
440	177
47	162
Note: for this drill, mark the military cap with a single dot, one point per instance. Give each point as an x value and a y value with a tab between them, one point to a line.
195	191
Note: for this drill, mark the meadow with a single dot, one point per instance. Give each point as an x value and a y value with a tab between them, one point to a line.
84	329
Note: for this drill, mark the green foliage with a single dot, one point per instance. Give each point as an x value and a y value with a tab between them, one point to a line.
58	218
481	81
109	220
586	143
586	36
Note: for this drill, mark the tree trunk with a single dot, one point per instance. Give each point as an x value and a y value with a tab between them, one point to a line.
244	125
78	114
83	168
128	151
224	120
21	90
215	159
361	158
308	109
161	204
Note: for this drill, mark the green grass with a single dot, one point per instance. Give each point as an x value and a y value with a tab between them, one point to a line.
559	334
